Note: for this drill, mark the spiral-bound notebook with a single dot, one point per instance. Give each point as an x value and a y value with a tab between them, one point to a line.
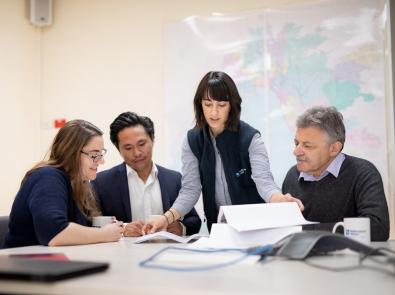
46	270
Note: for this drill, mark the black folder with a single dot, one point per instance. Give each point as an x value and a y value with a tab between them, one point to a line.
46	270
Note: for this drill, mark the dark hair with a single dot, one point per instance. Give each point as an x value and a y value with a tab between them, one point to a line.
65	153
130	119
220	87
328	119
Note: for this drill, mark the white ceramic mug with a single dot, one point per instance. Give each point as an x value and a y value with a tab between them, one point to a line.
100	221
356	228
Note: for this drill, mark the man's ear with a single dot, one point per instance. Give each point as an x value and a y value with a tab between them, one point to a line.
335	148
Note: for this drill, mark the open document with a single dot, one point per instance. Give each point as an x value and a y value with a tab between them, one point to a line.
247	226
166	235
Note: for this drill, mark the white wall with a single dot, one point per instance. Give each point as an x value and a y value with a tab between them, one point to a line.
19	98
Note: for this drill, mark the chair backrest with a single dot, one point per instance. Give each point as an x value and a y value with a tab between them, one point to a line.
3	228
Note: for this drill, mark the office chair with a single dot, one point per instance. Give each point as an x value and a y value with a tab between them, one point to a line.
3	228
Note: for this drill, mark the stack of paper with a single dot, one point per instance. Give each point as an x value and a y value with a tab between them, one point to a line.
247	226
252	225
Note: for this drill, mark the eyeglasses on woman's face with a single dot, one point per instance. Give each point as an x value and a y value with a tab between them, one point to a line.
95	156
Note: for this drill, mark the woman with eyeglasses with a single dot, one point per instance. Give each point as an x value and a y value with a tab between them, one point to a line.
55	203
223	157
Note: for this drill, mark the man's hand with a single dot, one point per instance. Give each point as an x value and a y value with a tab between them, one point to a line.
175	228
278	197
134	229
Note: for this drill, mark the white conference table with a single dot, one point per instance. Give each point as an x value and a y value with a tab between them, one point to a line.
277	276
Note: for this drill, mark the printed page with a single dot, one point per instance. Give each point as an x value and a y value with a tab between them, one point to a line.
166	235
263	216
224	236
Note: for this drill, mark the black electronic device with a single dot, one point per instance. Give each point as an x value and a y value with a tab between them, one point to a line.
304	244
46	270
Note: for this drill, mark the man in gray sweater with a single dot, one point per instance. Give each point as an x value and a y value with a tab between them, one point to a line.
331	184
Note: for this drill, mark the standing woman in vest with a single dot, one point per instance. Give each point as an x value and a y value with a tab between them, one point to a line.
222	157
55	202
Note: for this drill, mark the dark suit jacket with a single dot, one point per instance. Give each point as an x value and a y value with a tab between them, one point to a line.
113	194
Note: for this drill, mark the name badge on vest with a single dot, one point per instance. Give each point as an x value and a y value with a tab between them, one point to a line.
240	172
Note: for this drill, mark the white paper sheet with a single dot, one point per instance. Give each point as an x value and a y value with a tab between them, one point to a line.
224	236
166	235
263	216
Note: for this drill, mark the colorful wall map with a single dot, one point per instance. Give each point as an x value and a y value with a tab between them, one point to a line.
285	61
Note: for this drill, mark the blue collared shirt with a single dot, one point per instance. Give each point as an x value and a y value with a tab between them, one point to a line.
333	168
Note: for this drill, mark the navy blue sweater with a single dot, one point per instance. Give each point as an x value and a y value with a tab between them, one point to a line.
43	207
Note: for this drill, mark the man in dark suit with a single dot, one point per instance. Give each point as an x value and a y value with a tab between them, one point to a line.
137	189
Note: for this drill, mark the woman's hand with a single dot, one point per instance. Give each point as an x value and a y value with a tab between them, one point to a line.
76	234
157	224
112	232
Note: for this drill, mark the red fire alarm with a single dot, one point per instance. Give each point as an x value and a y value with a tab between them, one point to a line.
58	123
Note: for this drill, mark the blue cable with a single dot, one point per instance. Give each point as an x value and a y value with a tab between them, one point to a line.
260	250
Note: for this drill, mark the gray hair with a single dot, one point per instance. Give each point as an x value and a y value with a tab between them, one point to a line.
328	119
